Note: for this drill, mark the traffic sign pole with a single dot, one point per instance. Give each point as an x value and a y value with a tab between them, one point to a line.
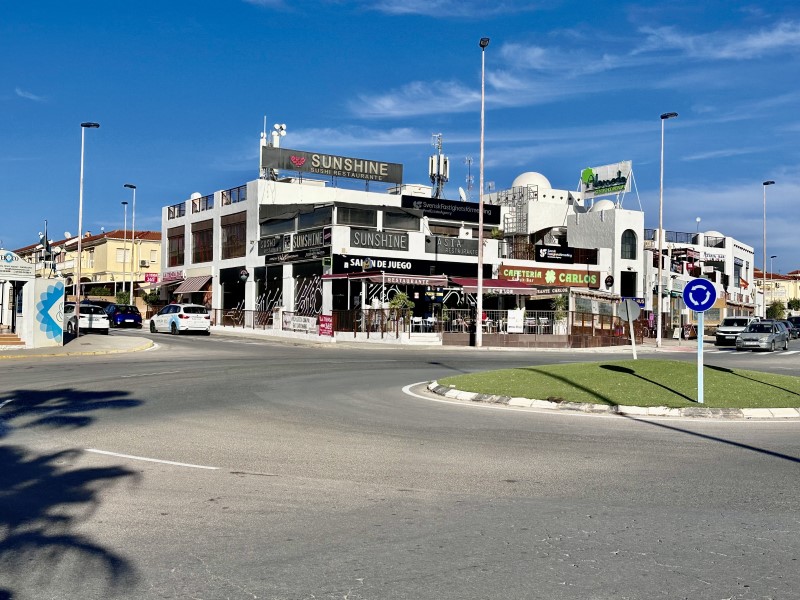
700	324
699	295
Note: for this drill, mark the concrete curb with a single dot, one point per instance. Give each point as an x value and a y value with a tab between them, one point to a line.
631	411
33	354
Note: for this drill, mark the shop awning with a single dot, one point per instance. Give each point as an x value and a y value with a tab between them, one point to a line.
150	286
393	278
192	284
493	286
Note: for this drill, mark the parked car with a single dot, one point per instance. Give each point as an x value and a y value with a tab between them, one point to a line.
92	318
730	328
794	320
794	330
124	315
764	335
101	303
176	318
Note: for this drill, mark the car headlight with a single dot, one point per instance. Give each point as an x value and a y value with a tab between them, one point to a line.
763	338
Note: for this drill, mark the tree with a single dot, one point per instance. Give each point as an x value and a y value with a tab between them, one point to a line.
123	298
793	304
775	310
560	304
151	297
401	300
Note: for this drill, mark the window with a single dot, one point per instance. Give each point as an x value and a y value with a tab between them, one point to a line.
274	227
153	256
202	244
629	244
399	220
445	230
175	248
123	256
234	195
233	239
176	210
318	218
201	204
356	216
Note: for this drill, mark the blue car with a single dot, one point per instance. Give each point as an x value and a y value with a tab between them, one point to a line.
124	315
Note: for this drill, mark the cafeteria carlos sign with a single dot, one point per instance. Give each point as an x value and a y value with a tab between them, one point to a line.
550	277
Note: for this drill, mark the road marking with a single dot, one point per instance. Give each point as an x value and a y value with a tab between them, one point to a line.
155	460
148	374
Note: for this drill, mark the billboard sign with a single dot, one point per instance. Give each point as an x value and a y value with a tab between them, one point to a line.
435	244
328	164
468	212
550	277
607	180
555	254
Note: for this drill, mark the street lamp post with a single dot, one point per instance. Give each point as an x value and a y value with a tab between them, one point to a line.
772	279
125	244
479	308
659	284
84	127
133	237
764	273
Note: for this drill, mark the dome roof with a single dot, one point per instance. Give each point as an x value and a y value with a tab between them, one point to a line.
532	178
602	205
713	234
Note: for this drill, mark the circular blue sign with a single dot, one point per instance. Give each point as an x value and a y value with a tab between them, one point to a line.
699	295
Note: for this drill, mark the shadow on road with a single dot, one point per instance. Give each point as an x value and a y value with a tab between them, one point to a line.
44	501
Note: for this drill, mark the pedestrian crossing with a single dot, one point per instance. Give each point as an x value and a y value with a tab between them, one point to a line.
751	353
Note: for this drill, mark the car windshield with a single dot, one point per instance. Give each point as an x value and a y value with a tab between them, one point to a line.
195	310
734	322
760	328
88	309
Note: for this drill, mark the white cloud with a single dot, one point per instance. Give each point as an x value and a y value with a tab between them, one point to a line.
451	8
417	98
28	95
726	153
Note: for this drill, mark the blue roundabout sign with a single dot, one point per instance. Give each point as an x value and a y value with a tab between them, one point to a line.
699	295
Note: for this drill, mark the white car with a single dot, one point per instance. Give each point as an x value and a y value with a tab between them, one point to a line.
93	318
176	318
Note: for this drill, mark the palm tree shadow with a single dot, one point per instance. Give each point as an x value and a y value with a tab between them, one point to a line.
590	391
732	372
44	501
627	371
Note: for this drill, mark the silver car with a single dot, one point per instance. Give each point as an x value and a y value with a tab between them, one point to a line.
763	335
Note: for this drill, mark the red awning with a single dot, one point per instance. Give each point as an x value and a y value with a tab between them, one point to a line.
192	284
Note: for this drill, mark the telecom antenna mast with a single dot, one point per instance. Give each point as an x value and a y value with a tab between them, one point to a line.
438	167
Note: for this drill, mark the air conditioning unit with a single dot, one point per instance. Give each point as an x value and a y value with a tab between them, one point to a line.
144	263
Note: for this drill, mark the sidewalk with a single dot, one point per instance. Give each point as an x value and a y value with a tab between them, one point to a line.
87	344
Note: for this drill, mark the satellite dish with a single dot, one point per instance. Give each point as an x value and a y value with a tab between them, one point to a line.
462	194
67	234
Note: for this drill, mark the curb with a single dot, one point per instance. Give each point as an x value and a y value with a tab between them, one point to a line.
149	344
741	414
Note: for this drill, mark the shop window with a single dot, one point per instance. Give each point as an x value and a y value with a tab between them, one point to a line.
318	218
398	220
233	240
275	227
175	250
202	246
356	216
628	249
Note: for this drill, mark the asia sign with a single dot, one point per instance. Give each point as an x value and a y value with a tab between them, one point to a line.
606	180
328	164
451	210
550	277
435	244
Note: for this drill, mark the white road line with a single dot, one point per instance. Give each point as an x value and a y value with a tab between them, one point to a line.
155	460
148	374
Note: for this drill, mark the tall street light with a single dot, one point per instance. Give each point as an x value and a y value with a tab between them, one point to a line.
772	279
479	309
125	244
84	127
133	237
764	273
664	117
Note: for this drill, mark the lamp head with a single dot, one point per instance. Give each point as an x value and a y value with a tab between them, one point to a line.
484	42
89	125
669	115
770	182
124	203
130	186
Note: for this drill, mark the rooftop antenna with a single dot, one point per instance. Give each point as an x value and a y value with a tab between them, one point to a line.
462	194
470	178
438	167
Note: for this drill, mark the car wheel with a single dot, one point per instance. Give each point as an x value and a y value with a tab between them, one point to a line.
70	329
772	346
105	331
785	345
152	327
207	332
173	329
739	349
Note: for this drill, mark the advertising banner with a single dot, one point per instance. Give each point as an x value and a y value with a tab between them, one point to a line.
327	164
451	210
435	244
555	254
607	180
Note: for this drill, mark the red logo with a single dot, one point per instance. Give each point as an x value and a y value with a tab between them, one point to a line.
297	161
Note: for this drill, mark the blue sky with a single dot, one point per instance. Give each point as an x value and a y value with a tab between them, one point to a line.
181	89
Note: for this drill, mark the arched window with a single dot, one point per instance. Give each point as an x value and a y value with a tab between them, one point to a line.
629	244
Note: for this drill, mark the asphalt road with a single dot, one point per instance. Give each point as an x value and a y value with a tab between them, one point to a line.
298	472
